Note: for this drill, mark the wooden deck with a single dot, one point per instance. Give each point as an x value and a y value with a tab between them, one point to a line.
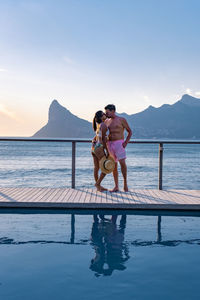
59	198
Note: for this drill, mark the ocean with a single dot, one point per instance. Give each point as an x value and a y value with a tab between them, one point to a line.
48	164
86	256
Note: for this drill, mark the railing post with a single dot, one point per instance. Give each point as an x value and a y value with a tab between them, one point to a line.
160	171
72	228
73	163
159	235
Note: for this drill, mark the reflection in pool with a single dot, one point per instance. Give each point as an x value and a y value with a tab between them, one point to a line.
99	255
108	242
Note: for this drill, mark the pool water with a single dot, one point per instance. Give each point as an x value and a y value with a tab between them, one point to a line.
96	256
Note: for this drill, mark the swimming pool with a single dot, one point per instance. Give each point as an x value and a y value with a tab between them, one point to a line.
99	256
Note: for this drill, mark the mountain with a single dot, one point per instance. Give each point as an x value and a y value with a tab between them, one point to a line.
63	124
179	120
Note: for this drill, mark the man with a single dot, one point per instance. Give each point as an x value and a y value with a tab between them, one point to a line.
116	144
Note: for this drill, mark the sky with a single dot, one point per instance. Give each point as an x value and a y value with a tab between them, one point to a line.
89	53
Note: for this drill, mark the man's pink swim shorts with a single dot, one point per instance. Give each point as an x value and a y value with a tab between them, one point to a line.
116	149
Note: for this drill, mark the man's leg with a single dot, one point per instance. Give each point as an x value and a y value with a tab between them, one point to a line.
114	219
115	175
124	173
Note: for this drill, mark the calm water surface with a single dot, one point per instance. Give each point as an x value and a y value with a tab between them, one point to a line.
51	256
43	164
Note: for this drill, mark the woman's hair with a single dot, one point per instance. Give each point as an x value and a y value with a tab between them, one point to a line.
97	119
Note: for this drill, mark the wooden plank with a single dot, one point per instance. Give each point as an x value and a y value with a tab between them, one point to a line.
13	194
105	197
114	197
195	193
64	194
125	196
83	196
154	197
142	196
26	194
77	196
39	193
7	190
98	197
73	196
60	195
176	198
166	197
129	197
109	197
185	196
49	195
6	194
68	196
121	197
20	193
90	198
93	195
134	198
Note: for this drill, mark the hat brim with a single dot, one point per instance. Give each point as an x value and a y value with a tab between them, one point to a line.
101	164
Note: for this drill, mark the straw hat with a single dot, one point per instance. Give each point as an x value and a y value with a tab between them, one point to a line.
107	165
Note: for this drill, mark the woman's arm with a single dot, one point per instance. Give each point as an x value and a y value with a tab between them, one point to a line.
104	138
94	139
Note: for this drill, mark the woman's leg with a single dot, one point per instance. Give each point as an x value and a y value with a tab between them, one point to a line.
98	183
96	167
98	179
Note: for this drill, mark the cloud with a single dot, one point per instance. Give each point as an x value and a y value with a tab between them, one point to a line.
188	91
8	113
3	70
197	93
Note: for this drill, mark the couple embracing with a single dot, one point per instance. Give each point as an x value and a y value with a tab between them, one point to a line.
108	150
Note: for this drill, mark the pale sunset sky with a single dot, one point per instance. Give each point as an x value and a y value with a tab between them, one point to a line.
87	54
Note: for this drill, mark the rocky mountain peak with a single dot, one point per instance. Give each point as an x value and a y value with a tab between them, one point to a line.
189	100
57	111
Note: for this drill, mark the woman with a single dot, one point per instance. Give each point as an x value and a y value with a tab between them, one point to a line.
99	146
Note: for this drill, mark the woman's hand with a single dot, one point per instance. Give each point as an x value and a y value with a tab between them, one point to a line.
124	144
94	140
106	153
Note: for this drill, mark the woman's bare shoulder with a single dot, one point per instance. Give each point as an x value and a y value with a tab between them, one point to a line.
103	125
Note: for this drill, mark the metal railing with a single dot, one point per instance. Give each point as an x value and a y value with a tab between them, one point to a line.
160	143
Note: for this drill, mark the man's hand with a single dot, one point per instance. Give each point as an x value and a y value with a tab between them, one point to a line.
128	129
124	144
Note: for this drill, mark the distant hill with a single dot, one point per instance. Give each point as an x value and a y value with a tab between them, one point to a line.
179	120
62	123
